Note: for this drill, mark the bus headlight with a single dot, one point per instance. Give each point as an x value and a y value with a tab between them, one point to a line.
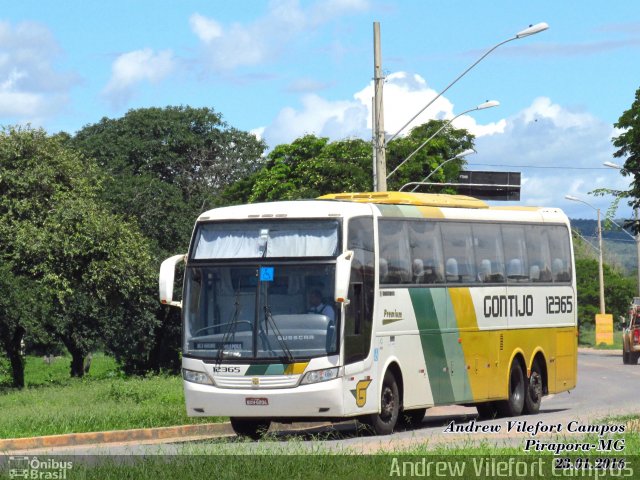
196	377
320	375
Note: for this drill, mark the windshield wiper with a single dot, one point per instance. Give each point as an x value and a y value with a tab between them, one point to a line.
269	318
230	334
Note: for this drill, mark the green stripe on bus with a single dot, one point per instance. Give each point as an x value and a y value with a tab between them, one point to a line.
441	348
266	369
435	358
389	210
410	211
407	211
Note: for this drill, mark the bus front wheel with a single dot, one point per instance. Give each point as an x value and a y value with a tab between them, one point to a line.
384	422
513	406
250	427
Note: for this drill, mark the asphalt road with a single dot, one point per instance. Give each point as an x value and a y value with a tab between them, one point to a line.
605	388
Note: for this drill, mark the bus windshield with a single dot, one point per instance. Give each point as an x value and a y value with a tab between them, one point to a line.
260	311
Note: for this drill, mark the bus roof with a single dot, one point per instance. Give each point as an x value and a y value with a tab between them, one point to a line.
408	198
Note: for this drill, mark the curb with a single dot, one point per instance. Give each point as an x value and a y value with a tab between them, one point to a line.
599	351
115	436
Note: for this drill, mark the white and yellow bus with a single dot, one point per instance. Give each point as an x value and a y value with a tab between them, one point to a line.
434	300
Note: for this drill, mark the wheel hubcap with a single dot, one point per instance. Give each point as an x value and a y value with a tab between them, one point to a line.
388	404
535	386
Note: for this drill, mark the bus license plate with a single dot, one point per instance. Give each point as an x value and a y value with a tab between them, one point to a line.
256	401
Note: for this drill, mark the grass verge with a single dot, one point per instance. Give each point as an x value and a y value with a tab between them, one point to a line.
587	338
104	400
293	460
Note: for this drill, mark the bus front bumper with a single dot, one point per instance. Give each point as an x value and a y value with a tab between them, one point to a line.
322	400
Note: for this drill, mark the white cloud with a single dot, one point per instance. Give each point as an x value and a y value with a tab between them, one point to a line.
133	68
227	48
559	151
205	28
334	119
404	95
32	87
568	144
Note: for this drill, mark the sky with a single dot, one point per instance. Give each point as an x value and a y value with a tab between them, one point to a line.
285	68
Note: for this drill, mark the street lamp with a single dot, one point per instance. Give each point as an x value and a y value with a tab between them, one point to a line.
527	32
482	106
600	271
460	155
635	237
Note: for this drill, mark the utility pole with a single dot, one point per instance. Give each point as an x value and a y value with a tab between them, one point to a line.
380	170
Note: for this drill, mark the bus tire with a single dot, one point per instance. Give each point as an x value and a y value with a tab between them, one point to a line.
513	406
253	428
413	417
534	390
487	410
384	422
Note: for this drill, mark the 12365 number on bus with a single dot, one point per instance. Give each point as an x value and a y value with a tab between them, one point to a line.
559	304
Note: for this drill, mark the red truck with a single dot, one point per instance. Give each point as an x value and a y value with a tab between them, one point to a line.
631	335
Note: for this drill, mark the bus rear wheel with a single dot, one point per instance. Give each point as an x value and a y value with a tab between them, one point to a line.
534	390
513	406
253	428
384	422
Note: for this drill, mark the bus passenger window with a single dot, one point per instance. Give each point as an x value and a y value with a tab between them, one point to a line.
484	272
452	270
418	271
560	273
457	241
488	251
534	273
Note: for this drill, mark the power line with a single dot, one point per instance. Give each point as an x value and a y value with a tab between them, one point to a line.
536	166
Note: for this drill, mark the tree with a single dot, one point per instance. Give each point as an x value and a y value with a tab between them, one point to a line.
445	145
311	166
20	308
91	265
166	166
628	144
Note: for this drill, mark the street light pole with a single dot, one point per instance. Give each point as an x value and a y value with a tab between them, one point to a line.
460	155
380	182
482	106
636	237
531	30
600	265
600	260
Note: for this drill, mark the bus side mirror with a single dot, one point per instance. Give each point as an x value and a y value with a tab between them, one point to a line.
343	276
165	282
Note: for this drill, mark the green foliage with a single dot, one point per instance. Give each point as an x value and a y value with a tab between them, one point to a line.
168	164
104	400
618	291
628	146
21	306
92	269
311	166
445	145
164	167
